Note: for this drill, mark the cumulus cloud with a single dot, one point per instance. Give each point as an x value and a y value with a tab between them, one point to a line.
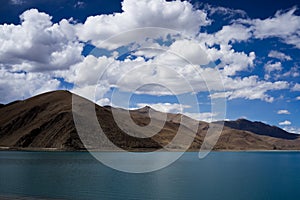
177	15
279	55
16	86
272	67
88	71
250	88
233	62
176	65
232	33
283	112
37	44
298	98
130	73
189	50
32	52
194	50
283	25
285	123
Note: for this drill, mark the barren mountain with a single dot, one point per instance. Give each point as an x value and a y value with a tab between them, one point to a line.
46	122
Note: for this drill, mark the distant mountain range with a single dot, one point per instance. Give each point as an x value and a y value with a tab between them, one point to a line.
46	122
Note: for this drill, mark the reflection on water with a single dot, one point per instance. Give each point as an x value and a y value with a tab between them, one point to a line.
221	175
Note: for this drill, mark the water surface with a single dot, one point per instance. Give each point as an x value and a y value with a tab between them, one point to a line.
221	175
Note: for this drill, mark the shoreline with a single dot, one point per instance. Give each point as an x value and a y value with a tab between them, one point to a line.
137	150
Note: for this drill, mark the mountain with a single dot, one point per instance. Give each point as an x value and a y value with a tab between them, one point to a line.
260	129
47	122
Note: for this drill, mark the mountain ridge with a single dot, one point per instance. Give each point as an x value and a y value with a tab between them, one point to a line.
46	121
259	128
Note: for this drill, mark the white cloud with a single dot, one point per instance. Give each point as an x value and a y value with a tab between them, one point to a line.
224	11
296	87
205	116
176	15
286	122
281	25
37	44
189	50
151	74
232	33
285	25
128	74
88	71
16	86
249	88
103	102
298	98
270	67
293	72
283	112
279	55
92	92
292	129
165	107
103	73
234	62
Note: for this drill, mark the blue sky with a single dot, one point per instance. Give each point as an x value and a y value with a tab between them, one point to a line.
105	51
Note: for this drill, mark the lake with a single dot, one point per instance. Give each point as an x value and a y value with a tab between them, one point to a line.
220	175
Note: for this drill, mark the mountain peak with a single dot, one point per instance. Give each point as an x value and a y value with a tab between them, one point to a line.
144	109
243	120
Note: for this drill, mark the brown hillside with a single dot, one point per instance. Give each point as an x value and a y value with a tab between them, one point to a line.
46	121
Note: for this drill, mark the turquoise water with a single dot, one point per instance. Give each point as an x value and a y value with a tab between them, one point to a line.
221	175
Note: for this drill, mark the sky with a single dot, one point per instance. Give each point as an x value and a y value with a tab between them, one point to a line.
210	60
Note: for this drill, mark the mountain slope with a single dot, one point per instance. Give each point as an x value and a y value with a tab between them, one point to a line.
47	121
44	121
